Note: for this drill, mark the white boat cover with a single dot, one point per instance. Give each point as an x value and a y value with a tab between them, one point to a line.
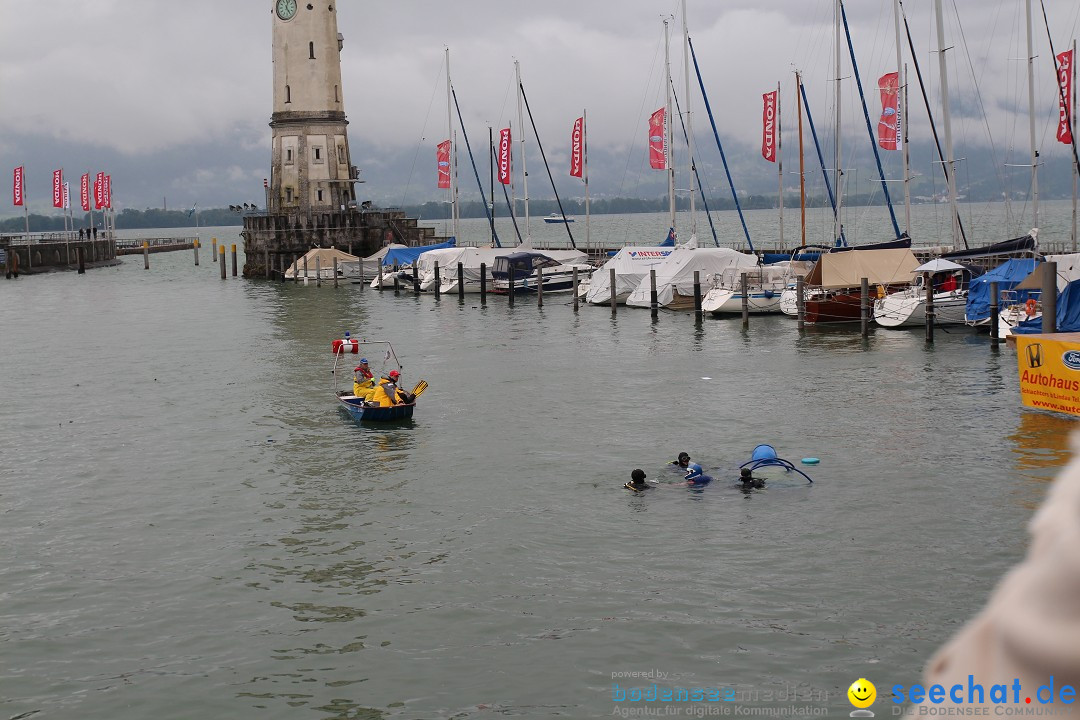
1068	269
676	272
630	264
368	267
472	257
322	258
847	269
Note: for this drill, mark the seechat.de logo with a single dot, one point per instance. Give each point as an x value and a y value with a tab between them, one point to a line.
1071	359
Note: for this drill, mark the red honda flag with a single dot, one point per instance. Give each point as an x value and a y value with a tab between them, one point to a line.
442	159
84	191
888	128
768	126
99	188
58	188
106	192
17	186
577	138
1065	65
504	156
657	156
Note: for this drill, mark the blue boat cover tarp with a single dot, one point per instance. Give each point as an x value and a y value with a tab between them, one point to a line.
1068	313
1007	275
407	256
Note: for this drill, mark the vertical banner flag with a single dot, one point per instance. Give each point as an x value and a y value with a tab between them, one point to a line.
442	158
17	186
888	129
84	191
67	195
657	156
99	191
58	188
576	139
1065	65
106	192
768	126
504	156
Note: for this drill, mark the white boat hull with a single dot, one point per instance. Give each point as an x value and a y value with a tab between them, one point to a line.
720	301
908	308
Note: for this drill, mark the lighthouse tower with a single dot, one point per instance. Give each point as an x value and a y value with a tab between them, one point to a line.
310	168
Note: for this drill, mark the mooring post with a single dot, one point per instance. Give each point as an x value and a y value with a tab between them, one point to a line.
305	268
461	281
483	283
232	249
82	262
745	301
864	307
1049	297
415	278
995	317
146	254
295	269
213	248
266	261
511	285
318	271
611	285
928	281
196	243
397	284
697	295
654	303
576	299
539	287
800	300
281	266
438	281
222	249
335	273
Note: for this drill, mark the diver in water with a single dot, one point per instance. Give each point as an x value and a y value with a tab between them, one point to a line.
695	475
637	481
749	481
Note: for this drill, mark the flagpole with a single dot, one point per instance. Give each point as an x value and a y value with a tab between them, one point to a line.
585	168
668	138
689	123
780	163
802	160
902	121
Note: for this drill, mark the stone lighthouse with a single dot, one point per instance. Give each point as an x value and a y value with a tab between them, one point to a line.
311	195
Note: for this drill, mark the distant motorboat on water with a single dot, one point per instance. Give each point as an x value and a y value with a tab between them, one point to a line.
557	218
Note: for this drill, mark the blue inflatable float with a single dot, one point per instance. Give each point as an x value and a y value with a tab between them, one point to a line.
765	456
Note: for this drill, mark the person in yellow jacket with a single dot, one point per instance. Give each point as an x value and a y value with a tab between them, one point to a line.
386	392
363	380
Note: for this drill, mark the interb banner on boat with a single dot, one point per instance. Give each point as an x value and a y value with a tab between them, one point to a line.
442	158
17	195
84	191
1065	70
657	156
58	188
577	138
768	126
504	156
888	128
1049	369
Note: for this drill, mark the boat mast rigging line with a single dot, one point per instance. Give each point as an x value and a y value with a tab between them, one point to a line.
701	187
472	160
817	145
546	167
719	146
509	204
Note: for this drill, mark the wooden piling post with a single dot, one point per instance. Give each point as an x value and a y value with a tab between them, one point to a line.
266	261
611	278
697	295
438	281
1049	297
397	284
864	307
222	249
213	248
318	271
281	266
510	291
335	273
928	281
461	281
146	254
576	299
415	278
305	269
745	301
483	283
800	300
540	287
654	303
232	249
82	261
196	243
995	318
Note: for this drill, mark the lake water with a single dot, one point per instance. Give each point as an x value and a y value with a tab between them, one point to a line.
190	527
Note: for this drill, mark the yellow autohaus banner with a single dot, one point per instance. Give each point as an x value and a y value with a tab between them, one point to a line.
1049	367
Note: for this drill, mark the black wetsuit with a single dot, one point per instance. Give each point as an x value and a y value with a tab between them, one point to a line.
637	488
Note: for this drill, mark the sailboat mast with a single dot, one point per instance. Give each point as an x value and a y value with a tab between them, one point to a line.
802	160
949	161
780	163
689	123
902	121
453	148
524	171
1031	119
668	137
838	226
585	171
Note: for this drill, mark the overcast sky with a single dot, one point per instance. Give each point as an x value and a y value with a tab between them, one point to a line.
174	98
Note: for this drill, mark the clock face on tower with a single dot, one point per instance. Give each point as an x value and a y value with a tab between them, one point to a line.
286	9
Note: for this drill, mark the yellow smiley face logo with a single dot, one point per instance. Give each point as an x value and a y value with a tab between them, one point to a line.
862	693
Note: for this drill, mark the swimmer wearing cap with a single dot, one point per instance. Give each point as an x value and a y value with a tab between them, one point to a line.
637	481
694	474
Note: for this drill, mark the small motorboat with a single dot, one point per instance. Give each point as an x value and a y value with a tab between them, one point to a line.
557	218
362	407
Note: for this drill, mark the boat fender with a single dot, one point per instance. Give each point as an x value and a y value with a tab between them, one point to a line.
1031	306
769	294
345	346
880	292
810	461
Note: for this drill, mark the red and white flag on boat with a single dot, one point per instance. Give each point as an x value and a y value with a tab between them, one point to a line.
577	140
888	128
99	189
106	192
84	191
657	154
17	194
504	156
58	188
1065	69
442	158
768	126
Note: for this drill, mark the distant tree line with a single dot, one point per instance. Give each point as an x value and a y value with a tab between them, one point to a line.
127	220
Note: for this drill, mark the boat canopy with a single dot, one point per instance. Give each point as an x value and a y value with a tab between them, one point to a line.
677	273
1007	275
1068	313
408	255
523	263
322	258
631	264
1016	246
847	269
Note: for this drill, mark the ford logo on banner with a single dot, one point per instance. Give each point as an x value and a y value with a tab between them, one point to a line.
1071	359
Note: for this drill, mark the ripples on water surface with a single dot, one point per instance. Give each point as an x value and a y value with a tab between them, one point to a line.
190	528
